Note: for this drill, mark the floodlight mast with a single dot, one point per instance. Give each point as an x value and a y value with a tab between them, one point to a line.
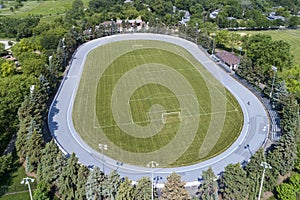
103	147
152	164
274	75
26	182
265	165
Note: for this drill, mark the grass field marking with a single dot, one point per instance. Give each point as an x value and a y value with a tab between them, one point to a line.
165	116
171	96
222	93
182	139
137	46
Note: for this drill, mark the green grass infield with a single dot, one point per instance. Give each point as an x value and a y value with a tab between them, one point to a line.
152	100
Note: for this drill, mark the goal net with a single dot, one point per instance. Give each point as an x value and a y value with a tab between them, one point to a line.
170	117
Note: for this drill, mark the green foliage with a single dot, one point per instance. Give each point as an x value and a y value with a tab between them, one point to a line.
7	68
46	171
174	188
254	171
25	45
292	79
111	185
234	182
81	181
18	27
34	145
286	191
126	190
12	92
94	184
143	189
41	192
68	179
282	158
49	39
6	164
208	188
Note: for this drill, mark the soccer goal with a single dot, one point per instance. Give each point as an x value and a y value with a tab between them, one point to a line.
170	117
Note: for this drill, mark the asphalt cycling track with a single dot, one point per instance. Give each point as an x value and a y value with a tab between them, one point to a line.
254	132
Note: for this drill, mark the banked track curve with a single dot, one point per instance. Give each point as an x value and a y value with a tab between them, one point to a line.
254	133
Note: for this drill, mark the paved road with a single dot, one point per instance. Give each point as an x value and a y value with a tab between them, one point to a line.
254	133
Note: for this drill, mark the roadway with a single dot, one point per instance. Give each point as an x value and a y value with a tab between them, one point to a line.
254	133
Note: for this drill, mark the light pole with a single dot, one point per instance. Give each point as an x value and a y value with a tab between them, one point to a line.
152	164
103	147
265	166
156	19
27	181
213	48
50	63
274	75
196	33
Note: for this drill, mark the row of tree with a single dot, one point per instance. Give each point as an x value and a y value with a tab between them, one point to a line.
70	180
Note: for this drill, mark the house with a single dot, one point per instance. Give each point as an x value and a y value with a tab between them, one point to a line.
272	16
214	14
228	58
186	18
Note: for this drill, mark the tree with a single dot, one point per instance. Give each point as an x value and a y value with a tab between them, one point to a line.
83	174
143	189
234	182
292	80
41	192
282	158
111	184
94	184
7	69
254	172
6	164
35	144
68	179
208	188
174	188
126	190
46	170
286	191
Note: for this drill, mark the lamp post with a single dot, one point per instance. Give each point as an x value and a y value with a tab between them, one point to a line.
152	164
103	147
265	166
196	33
27	181
213	48
274	75
156	19
50	63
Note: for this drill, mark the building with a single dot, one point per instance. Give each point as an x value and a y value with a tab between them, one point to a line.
228	58
272	16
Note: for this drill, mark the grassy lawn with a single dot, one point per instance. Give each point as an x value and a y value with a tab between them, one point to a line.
290	36
18	196
11	186
45	8
128	87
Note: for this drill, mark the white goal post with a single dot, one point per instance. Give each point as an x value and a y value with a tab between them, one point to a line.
172	116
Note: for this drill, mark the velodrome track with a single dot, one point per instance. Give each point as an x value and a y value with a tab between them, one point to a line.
254	133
